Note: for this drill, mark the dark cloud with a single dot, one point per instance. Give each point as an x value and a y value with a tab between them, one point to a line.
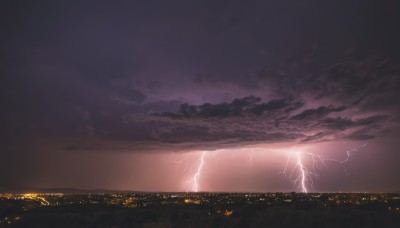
317	113
238	123
359	137
368	82
238	107
338	123
140	76
130	95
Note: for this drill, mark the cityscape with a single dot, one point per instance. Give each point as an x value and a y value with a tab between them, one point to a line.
232	209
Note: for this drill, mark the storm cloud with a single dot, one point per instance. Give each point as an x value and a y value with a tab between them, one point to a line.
139	78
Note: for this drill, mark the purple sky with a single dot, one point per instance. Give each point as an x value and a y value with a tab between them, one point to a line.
128	94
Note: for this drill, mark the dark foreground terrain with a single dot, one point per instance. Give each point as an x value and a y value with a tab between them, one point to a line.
200	210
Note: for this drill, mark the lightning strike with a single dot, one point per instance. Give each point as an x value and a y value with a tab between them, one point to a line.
196	177
184	161
301	167
251	163
303	172
301	176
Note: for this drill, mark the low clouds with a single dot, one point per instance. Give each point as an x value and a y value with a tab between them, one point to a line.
368	82
250	121
174	78
243	122
250	105
317	113
117	116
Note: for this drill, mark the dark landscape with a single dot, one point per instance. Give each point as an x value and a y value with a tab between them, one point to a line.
200	210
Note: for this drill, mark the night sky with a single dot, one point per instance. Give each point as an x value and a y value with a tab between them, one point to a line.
129	95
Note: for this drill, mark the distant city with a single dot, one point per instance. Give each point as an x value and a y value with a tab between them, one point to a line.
23	208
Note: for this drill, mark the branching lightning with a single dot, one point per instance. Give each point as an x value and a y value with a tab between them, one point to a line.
301	167
301	176
304	174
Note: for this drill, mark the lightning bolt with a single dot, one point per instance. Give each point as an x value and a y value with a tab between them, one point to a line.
250	162
301	167
301	176
180	161
196	177
304	173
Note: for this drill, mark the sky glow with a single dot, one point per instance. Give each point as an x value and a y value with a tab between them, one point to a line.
253	96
